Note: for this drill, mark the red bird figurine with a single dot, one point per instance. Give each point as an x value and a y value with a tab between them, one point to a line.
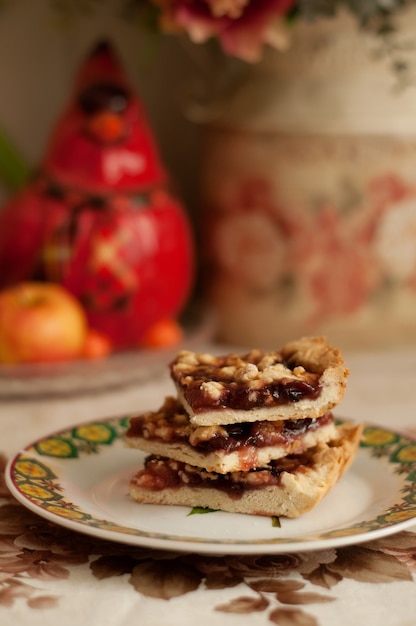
100	217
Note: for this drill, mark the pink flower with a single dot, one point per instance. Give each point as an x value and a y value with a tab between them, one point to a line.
249	247
242	26
338	276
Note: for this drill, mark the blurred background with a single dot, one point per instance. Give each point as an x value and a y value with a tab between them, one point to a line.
43	43
297	171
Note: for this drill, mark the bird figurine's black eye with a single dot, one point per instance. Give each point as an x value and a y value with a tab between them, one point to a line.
103	97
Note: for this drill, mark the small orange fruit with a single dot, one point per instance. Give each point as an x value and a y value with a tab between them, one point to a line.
97	345
165	333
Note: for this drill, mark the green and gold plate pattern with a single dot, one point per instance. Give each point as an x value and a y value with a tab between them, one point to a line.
79	477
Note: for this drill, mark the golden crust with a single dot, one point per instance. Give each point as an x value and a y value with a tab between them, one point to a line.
315	354
296	494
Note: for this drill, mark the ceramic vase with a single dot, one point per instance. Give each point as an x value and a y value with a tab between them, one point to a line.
308	186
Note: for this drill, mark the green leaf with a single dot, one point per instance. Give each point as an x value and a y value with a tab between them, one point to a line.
200	510
276	522
14	171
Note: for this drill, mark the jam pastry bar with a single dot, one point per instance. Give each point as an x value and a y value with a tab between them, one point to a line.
168	432
287	487
305	379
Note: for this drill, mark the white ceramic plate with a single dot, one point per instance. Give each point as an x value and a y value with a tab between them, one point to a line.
78	478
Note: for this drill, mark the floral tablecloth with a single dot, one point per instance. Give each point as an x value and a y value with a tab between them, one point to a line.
50	575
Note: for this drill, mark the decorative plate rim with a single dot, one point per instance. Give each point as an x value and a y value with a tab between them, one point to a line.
33	478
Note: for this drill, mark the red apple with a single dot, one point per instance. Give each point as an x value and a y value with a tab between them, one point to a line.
40	322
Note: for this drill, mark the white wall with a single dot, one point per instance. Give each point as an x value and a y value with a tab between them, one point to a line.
39	56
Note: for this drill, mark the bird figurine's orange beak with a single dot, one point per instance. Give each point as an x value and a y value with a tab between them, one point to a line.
106	127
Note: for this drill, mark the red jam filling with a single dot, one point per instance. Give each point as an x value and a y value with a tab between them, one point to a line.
161	473
262	434
240	395
172	426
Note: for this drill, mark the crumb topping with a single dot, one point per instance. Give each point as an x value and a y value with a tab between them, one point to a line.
171	424
241	381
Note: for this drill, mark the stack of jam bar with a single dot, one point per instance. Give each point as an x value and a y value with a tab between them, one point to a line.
247	433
